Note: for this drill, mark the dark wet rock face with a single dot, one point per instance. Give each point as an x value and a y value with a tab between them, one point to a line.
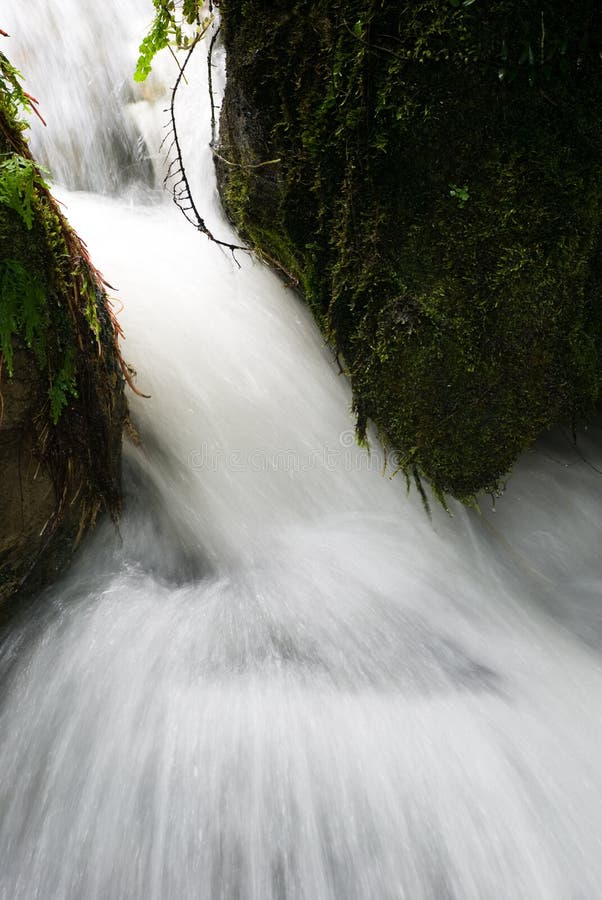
27	498
40	529
433	185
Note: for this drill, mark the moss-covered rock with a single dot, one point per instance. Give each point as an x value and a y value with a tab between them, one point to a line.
62	405
437	194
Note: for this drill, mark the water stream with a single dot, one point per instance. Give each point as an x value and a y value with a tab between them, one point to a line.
281	680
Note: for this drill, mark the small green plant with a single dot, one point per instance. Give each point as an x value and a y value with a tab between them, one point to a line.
156	39
23	306
15	99
25	313
460	194
18	179
63	386
177	24
90	308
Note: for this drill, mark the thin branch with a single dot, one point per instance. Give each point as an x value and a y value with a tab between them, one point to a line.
175	58
182	193
234	165
210	79
34	107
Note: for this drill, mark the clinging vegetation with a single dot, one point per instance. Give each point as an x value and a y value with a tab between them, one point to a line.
58	342
51	329
177	24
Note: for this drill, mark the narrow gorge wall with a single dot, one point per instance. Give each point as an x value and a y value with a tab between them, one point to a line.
431	174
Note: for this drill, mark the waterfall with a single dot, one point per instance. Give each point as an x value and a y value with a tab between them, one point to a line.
280	679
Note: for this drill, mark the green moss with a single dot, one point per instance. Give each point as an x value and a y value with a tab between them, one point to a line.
439	197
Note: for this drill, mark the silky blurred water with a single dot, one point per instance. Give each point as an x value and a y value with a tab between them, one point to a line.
280	679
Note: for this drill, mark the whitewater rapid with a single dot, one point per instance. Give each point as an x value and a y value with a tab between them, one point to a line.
280	679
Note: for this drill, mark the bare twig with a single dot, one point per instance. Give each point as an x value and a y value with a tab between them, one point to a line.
34	107
210	81
182	194
235	165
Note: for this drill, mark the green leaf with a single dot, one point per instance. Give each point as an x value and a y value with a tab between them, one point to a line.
190	11
156	39
18	177
22	311
63	386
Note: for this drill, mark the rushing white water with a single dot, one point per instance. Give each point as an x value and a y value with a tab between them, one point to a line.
281	680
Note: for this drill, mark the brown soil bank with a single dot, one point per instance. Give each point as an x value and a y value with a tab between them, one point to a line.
431	173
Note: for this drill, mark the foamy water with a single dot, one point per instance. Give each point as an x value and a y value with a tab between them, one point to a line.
281	680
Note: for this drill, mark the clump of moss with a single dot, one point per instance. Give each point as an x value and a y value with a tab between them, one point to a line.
438	197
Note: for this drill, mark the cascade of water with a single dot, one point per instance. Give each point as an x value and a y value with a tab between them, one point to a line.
79	66
283	680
